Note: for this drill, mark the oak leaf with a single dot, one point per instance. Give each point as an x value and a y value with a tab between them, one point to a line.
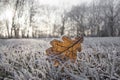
64	50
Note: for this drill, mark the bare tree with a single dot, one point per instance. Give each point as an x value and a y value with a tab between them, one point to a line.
110	11
13	19
77	14
63	20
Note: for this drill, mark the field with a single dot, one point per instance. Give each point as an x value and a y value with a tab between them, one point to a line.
25	59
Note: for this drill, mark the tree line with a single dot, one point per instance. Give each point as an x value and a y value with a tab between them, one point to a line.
30	19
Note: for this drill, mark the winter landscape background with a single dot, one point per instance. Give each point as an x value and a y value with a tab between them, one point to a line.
38	18
28	26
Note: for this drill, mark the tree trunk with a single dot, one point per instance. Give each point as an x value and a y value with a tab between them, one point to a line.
62	29
13	19
8	29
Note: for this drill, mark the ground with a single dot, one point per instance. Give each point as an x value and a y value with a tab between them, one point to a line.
25	59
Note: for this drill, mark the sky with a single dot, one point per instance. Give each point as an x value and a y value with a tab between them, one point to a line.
61	3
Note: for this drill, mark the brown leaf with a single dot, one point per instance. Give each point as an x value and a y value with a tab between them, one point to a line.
66	49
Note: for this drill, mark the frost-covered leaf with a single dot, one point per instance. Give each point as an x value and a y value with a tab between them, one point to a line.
66	49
